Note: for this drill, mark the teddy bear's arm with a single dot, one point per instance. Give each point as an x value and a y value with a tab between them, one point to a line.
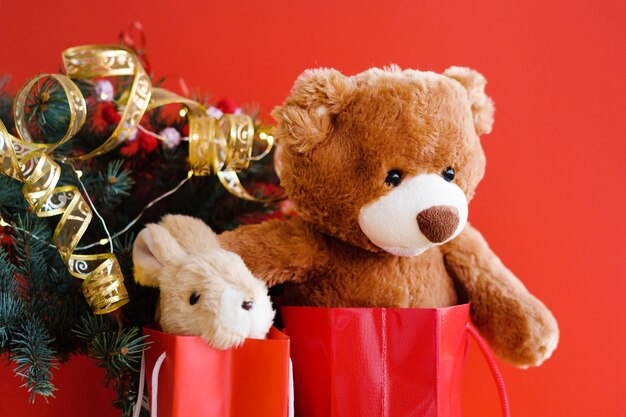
517	325
278	251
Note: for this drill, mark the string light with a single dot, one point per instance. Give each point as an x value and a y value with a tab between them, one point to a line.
265	136
34	236
141	213
262	135
109	239
155	135
89	200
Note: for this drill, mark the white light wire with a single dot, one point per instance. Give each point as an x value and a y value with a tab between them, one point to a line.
136	219
157	136
104	224
110	237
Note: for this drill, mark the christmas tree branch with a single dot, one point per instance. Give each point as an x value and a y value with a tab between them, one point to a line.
34	357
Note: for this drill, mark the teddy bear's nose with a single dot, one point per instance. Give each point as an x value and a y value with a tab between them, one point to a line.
247	305
438	223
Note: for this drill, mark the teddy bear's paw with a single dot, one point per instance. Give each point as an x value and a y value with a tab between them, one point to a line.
535	339
546	341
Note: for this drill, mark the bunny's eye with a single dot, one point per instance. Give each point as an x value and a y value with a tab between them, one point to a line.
193	298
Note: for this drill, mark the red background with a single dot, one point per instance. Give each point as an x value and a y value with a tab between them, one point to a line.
554	195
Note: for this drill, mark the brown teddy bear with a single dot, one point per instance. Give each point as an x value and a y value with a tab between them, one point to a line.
381	167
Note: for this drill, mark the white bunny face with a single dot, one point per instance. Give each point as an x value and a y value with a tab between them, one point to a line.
205	290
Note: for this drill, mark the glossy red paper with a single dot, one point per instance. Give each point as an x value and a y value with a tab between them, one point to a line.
196	380
377	362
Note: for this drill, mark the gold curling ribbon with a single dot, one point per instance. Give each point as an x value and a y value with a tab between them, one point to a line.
30	163
220	147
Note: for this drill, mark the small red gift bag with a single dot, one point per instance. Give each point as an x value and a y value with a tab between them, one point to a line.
191	379
377	362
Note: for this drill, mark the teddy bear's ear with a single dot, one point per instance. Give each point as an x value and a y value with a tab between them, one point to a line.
192	234
482	106
154	248
305	119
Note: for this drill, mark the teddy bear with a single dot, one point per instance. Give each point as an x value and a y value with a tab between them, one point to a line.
380	167
204	290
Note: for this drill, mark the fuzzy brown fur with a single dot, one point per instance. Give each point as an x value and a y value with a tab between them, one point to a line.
341	135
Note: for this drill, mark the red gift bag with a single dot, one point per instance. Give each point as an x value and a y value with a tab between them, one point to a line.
377	362
191	379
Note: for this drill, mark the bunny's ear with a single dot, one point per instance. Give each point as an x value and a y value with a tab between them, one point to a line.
192	234
154	248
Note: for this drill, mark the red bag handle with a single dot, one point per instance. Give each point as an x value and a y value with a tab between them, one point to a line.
155	385
493	367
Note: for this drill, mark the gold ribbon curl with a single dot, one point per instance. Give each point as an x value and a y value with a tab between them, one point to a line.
31	164
216	147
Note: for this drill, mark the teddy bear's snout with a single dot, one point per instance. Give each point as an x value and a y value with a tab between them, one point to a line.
438	223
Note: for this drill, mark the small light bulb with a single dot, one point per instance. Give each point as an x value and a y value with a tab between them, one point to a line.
183	112
195	136
263	135
103	241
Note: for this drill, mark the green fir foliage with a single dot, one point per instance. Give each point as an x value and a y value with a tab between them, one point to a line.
115	349
44	318
33	354
48	110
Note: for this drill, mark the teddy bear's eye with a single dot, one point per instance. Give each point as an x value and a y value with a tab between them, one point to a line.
448	174
193	298
394	177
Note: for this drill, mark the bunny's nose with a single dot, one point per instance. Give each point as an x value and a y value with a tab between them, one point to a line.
247	305
438	223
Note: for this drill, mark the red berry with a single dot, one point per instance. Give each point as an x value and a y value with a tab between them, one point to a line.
227	105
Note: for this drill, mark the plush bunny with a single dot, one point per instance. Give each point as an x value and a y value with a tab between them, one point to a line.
206	291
